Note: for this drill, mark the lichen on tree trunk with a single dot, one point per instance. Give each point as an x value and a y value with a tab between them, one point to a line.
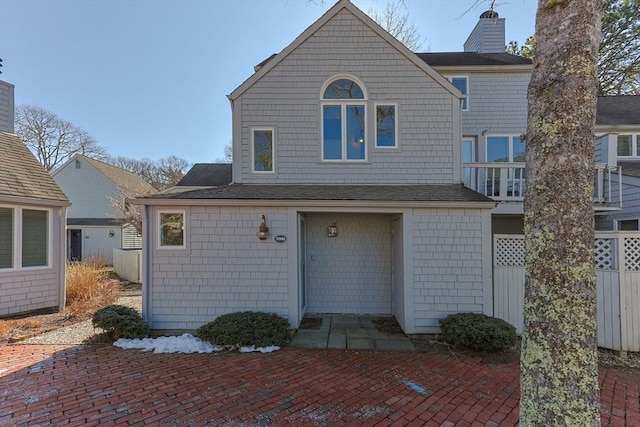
559	380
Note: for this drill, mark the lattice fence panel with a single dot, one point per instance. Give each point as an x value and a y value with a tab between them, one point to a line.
603	252
509	252
632	253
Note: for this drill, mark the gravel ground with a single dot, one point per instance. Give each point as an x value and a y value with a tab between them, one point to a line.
83	332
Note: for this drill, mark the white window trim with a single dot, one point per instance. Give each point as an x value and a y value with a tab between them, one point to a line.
466	95
343	103
343	130
635	139
375	122
273	149
498	135
17	237
158	230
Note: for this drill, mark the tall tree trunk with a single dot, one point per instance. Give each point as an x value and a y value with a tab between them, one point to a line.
559	380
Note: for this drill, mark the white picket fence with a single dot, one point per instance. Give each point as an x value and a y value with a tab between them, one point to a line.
617	261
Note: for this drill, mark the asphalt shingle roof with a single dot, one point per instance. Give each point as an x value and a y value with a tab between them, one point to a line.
124	179
21	175
618	110
207	175
385	193
445	59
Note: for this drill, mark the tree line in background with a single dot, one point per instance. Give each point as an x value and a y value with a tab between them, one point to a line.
54	141
619	55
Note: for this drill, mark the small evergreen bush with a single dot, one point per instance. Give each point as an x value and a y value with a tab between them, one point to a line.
120	321
246	328
478	332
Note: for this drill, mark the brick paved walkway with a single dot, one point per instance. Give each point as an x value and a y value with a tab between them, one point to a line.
102	385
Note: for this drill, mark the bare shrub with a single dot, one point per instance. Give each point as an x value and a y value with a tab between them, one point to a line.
89	287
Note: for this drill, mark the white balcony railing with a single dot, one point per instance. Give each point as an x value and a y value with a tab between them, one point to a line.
507	182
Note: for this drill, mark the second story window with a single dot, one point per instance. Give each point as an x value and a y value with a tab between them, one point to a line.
462	83
343	121
628	145
505	148
386	128
262	150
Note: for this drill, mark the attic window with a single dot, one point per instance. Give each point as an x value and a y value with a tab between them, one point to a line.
343	89
78	164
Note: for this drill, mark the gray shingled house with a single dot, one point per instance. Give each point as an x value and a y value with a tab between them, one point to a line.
347	193
32	226
94	225
618	144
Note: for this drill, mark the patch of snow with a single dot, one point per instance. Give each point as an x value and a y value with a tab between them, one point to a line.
267	349
185	343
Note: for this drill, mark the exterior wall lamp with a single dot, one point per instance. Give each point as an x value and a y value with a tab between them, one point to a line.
263	231
111	233
332	230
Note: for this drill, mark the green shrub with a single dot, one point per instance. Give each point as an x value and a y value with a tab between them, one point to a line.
120	321
246	328
478	332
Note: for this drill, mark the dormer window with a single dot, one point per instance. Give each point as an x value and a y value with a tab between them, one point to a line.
344	120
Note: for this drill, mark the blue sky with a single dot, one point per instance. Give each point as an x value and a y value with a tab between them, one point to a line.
149	78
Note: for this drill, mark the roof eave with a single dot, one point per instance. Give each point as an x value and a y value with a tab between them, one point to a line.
22	200
316	203
510	68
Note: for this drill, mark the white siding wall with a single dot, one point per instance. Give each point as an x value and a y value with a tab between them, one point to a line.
448	264
130	238
288	99
224	269
31	289
349	273
88	190
96	242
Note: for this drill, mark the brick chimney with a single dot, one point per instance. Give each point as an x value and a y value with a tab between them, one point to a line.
488	36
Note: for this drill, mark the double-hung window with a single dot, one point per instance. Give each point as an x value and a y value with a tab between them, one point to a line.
344	121
24	237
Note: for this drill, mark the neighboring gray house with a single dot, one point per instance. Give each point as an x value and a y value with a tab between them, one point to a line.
94	225
347	193
32	222
32	215
618	144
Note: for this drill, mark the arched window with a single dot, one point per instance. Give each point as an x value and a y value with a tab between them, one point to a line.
344	120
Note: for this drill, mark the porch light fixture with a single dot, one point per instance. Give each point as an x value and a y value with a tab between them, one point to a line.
263	231
332	230
111	233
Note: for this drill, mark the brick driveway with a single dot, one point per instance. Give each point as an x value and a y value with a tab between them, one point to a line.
97	385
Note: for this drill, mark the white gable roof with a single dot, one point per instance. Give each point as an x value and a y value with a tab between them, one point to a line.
364	18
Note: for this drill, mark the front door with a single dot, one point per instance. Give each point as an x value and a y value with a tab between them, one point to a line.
75	245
